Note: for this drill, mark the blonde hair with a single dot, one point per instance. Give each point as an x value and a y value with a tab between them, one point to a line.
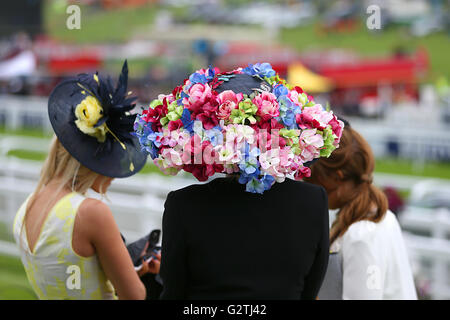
60	166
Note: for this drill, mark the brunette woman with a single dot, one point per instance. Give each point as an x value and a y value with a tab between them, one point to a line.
369	259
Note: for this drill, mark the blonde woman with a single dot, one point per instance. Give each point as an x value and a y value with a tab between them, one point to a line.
70	245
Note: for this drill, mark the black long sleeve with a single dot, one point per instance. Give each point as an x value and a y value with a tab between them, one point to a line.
220	242
315	277
173	254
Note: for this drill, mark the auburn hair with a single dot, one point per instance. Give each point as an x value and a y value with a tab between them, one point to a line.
355	160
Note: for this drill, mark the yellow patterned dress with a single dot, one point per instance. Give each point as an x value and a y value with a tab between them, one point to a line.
54	269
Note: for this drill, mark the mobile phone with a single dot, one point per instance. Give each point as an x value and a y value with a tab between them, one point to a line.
153	239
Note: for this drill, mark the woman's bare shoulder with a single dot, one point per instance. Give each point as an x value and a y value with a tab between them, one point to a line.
95	212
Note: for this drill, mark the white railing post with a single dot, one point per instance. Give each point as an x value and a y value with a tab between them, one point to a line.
440	265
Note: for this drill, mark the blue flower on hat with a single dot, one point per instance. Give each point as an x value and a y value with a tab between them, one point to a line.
147	137
288	110
259	185
187	121
198	78
210	73
215	135
280	90
249	164
260	69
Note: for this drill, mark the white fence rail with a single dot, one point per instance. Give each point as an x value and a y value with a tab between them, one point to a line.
9	143
137	202
17	112
432	248
429	141
412	141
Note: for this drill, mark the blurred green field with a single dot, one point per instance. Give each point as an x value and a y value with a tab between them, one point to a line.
96	25
370	43
113	26
40	156
13	280
407	167
14	284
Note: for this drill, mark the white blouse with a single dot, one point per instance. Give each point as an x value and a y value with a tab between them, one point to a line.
375	262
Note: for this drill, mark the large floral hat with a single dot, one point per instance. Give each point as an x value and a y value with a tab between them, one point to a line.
248	122
92	121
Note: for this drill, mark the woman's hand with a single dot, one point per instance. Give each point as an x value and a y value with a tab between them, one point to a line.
155	263
152	266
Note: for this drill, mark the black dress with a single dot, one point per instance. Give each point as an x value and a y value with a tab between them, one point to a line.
220	242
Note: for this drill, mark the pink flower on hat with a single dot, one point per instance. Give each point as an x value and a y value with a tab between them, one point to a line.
169	97
311	142
174	125
198	94
228	100
337	127
267	105
275	161
314	117
207	114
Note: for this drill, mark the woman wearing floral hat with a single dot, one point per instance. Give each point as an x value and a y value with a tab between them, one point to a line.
256	233
70	245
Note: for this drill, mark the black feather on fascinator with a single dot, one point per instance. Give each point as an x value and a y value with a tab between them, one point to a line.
92	120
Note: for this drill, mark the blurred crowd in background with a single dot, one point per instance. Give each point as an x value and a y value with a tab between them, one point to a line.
391	82
324	46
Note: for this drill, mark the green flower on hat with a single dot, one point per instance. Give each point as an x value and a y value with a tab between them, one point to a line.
174	111
246	110
291	136
328	141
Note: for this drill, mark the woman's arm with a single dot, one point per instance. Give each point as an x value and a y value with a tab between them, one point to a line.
362	272
173	264
102	230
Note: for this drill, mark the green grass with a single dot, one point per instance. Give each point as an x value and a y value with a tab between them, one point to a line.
97	26
40	156
14	284
6	232
394	166
149	168
407	167
371	43
13	280
138	67
27	154
35	133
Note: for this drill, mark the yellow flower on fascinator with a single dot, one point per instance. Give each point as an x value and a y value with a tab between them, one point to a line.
88	113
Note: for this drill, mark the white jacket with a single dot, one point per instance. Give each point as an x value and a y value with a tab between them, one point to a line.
375	261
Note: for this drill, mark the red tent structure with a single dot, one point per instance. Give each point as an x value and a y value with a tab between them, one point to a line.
368	73
363	79
73	64
239	54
